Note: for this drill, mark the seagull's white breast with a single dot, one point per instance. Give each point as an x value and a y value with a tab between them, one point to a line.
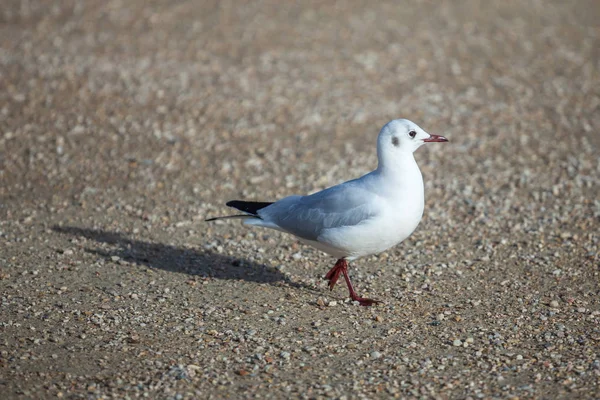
401	209
374	235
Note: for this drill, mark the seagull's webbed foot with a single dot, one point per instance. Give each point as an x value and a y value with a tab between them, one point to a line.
341	267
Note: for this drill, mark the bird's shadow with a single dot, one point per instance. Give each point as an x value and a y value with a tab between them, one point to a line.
203	263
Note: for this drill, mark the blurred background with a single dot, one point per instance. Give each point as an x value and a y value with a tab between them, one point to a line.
197	87
125	123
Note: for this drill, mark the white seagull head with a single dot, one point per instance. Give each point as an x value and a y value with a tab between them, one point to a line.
402	136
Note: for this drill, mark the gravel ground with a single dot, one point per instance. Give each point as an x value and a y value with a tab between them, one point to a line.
123	124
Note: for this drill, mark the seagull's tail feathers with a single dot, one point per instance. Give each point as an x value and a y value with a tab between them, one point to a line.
249	207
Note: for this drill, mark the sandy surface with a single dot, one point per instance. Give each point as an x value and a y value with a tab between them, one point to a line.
123	124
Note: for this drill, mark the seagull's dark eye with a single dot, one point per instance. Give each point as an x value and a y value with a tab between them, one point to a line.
412	134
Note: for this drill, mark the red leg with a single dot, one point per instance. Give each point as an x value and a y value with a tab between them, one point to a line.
341	267
334	273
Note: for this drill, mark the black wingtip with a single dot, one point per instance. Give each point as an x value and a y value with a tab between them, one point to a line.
230	217
250	207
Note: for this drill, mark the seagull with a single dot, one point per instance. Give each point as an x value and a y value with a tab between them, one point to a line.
361	217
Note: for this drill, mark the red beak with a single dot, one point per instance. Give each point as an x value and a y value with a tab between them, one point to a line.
435	138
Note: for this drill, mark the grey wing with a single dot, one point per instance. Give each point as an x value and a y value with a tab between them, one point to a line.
308	216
